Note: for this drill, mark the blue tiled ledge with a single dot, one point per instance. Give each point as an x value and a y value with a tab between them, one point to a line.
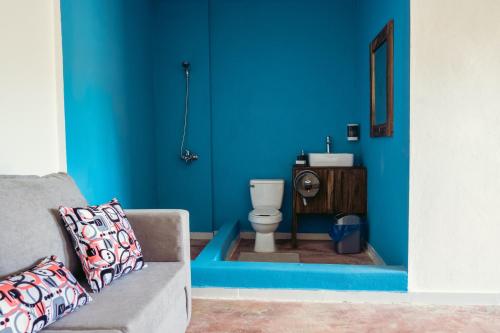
210	270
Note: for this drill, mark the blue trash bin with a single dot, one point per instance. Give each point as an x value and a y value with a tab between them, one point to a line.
346	233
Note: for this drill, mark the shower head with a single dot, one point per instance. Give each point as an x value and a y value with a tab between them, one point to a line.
187	66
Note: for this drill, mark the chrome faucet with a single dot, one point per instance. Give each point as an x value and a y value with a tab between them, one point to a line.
189	156
329	143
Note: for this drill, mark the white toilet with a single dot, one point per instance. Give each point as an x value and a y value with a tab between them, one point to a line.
267	196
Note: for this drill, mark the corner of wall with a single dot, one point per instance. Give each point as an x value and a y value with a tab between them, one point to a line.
59	85
412	283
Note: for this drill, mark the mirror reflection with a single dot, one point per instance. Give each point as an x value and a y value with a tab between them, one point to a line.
381	84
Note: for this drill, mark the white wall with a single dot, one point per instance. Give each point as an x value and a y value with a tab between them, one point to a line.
455	146
32	137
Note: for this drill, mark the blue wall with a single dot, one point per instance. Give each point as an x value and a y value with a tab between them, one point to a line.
181	33
282	80
270	89
108	92
387	159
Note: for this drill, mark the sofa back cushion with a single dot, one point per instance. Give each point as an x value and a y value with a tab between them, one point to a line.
30	226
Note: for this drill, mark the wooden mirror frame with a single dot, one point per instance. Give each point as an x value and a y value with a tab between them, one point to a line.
386	35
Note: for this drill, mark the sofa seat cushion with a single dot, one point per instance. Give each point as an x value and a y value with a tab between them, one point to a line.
81	331
152	300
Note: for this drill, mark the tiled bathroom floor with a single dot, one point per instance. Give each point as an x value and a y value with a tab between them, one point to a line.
310	251
197	246
223	316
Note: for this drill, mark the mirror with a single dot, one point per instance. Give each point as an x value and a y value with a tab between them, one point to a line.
381	82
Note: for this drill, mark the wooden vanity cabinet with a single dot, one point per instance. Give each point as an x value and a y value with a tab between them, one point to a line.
342	190
349	190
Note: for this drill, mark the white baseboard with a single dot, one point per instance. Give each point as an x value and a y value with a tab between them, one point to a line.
375	257
330	296
289	295
287	235
201	235
442	298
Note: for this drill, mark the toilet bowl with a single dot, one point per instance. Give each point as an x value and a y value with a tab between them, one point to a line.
265	221
267	196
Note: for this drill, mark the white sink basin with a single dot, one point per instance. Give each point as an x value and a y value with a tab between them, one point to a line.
331	160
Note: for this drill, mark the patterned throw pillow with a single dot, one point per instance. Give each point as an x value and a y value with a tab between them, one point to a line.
38	297
104	241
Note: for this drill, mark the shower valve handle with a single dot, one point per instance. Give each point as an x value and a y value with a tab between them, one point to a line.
188	156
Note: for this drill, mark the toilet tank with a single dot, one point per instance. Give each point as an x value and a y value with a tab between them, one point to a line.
267	192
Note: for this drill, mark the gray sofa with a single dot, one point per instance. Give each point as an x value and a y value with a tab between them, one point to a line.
156	299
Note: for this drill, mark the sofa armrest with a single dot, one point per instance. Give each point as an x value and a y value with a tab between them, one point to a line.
162	233
164	236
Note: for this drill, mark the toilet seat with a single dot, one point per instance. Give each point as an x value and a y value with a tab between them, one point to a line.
265	215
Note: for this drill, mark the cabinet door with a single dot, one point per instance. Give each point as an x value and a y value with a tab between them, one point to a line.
349	191
322	202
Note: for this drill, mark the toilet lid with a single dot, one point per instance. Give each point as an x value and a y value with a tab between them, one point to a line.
265	211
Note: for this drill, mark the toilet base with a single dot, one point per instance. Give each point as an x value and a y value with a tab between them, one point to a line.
264	242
